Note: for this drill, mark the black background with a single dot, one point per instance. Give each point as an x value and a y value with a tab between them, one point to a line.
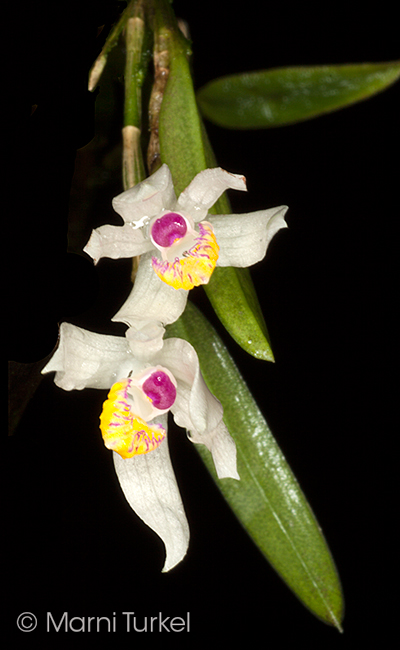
327	291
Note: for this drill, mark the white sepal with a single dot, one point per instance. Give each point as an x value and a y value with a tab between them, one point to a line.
149	485
116	242
86	359
151	299
243	238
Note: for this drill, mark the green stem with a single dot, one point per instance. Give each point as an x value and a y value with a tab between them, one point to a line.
134	37
112	40
132	164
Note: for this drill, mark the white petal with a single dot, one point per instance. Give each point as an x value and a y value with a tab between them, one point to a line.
148	198
243	238
151	299
196	409
85	359
195	406
149	484
116	242
206	188
223	450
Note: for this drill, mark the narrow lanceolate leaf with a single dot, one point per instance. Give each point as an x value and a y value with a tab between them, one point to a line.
280	96
229	286
186	150
267	500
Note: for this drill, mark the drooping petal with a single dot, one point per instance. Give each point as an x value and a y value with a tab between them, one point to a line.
244	238
116	242
206	188
86	359
196	409
147	198
194	404
151	299
223	449
150	487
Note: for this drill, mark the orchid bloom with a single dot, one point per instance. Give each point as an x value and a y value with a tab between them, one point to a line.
178	245
134	419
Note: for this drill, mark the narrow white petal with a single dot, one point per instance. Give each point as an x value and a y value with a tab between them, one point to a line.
206	188
151	299
148	198
223	449
243	238
116	242
196	409
150	487
195	406
86	359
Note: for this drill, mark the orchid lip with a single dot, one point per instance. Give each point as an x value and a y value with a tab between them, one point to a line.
123	430
127	420
191	262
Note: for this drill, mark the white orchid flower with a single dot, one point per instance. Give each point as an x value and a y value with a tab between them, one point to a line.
178	246
134	420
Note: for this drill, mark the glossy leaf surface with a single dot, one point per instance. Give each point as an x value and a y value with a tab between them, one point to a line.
267	500
282	96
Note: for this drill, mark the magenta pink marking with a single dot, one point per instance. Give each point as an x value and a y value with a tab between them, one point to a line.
168	228
160	389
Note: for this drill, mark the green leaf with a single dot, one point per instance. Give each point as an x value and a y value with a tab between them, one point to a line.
267	500
184	147
282	96
229	286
